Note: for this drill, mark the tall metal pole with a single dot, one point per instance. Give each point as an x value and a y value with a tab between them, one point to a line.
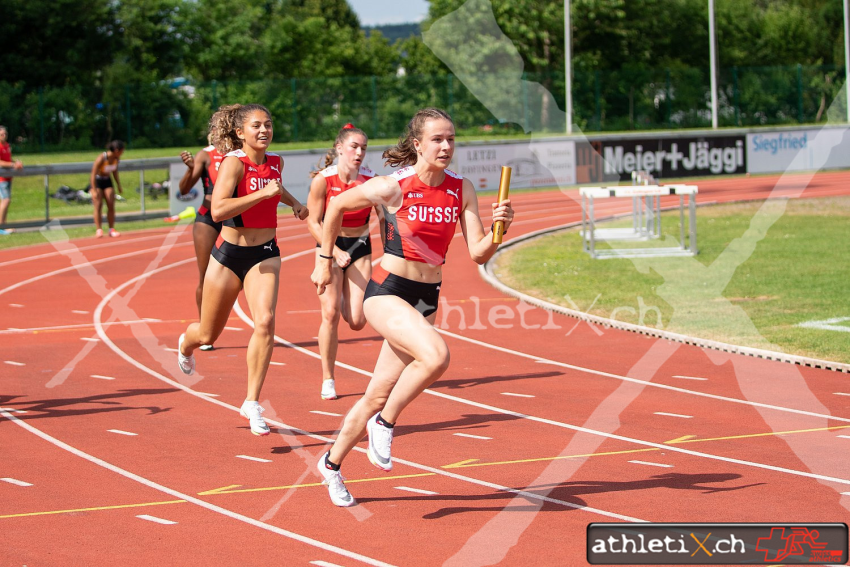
847	56
713	62
569	65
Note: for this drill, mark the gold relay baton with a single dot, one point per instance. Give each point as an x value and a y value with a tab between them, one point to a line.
504	187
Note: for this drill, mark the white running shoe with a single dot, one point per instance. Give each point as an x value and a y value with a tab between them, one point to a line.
339	494
206	347
253	412
329	389
186	363
380	444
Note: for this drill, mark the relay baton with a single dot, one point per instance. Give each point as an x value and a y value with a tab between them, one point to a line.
504	187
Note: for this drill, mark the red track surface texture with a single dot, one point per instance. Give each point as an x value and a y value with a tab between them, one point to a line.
112	456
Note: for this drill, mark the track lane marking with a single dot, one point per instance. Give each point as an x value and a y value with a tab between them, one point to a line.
16	482
102	334
191	499
155	520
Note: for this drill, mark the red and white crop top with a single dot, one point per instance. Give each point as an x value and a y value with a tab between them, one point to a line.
423	227
264	213
335	188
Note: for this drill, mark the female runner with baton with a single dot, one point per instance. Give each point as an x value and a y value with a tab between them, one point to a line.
422	203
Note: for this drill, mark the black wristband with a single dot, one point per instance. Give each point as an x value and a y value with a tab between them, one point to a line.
325	257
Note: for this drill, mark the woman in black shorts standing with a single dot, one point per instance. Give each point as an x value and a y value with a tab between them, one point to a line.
105	167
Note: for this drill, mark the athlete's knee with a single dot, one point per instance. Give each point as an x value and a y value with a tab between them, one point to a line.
436	359
357	323
207	336
264	323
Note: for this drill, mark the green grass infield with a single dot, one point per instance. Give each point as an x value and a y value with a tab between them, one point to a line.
763	269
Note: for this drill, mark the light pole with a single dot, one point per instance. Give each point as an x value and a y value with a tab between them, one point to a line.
569	64
713	62
847	57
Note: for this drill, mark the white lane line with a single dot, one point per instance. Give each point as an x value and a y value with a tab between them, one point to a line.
89	339
273	363
416	490
635	380
98	315
844	436
517	395
13	410
842	394
326	413
324	564
691	378
15	305
78	312
77	326
472	436
169	349
673	414
208	394
13	363
652	464
155	520
119	432
15	482
192	499
233	329
99	377
257	459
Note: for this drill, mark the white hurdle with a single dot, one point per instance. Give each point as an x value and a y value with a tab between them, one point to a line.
646	201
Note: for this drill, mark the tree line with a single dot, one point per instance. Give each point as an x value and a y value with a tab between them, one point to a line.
151	70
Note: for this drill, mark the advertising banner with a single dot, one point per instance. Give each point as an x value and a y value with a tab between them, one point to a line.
776	152
673	157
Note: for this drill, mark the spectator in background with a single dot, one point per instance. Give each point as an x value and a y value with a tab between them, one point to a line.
6	182
104	169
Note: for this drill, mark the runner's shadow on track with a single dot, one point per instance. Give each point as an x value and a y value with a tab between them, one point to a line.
49	408
676	481
464	423
313	343
470	382
569	491
506	497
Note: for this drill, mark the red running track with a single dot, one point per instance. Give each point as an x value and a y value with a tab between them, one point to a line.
536	430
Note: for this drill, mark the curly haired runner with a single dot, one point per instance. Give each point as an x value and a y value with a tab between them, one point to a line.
422	203
204	166
246	255
352	251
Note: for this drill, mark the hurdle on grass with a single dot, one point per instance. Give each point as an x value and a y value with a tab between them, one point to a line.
646	203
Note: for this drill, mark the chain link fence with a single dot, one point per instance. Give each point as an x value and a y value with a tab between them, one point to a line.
82	117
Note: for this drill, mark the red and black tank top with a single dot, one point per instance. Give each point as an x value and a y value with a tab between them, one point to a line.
210	172
423	227
336	187
264	213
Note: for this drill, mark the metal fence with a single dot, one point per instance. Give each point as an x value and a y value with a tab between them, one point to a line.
306	109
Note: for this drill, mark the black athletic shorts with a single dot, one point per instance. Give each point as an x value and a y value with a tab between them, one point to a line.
205	216
102	182
356	246
424	297
240	259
